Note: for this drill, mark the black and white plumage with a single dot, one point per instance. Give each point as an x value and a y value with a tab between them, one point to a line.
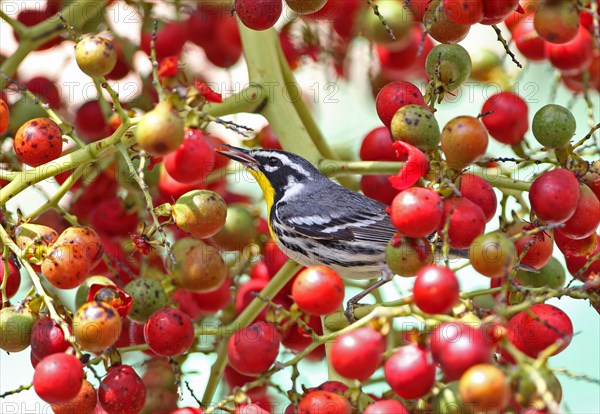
316	221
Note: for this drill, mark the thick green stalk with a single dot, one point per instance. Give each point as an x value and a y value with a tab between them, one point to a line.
261	52
281	278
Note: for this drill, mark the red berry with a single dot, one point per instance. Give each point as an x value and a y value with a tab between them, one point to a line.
394	96
575	55
212	302
246	294
122	391
42	86
508	123
417	212
480	192
254	348
377	146
13	278
457	346
169	40
47	338
58	378
464	11
38	141
378	187
111	218
258	14
527	40
169	332
90	123
436	289
4	115
495	11
318	290
250	409
586	218
357	354
533	334
33	17
324	402
410	371
386	407
193	160
467	221
540	245
554	195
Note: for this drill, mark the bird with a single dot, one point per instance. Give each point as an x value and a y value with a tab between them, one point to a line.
316	221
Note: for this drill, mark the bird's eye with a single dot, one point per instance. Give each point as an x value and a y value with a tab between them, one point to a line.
273	162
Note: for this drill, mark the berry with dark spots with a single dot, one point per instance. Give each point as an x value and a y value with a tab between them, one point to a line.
4	115
65	266
258	14
88	239
84	402
58	378
148	297
169	332
254	348
15	328
96	326
122	391
318	290
38	141
417	126
96	56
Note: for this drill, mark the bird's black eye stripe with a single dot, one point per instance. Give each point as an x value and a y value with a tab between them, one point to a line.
274	162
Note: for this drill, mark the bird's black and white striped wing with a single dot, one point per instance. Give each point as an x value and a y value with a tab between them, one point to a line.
353	217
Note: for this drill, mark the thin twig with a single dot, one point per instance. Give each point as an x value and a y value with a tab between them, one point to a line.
502	40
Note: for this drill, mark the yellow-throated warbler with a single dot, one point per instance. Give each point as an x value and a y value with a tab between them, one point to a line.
315	221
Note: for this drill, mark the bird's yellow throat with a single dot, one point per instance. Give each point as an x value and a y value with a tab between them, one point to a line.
268	192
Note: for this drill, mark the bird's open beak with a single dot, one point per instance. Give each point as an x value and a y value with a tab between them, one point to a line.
238	154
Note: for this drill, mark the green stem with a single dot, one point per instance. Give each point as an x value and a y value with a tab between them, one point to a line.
216	373
501	181
249	100
63	189
261	49
281	278
89	153
331	167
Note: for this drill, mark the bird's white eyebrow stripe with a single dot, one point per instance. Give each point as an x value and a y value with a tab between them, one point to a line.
284	159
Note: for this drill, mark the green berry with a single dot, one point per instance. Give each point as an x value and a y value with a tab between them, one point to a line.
553	126
15	328
148	296
417	126
452	63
